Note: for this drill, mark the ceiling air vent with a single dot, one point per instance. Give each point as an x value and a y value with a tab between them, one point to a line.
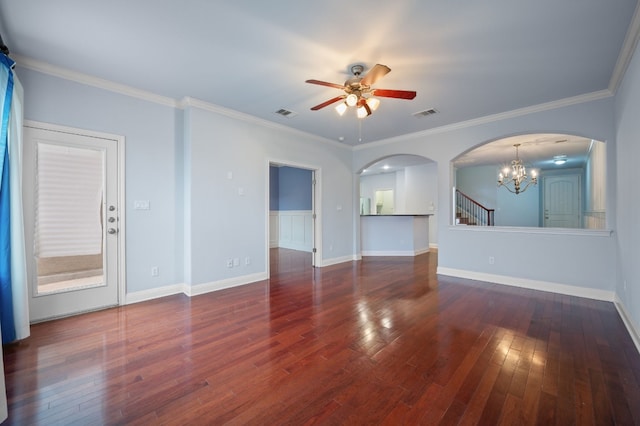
425	113
286	113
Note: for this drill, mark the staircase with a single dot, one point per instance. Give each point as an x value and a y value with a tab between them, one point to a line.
470	212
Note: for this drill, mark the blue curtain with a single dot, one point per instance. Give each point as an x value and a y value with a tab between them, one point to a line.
6	294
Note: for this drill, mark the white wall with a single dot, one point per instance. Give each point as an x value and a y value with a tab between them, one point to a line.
579	263
628	200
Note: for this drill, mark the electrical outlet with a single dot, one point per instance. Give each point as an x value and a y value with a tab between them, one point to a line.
492	260
229	263
155	271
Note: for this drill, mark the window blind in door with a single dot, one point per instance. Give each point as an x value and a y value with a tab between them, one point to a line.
69	189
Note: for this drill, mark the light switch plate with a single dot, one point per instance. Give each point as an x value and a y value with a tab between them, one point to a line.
141	205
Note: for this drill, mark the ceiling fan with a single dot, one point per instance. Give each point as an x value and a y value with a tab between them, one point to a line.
358	91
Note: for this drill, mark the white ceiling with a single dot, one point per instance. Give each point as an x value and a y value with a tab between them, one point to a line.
465	59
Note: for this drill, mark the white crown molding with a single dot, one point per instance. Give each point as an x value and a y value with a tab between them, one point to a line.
189	101
90	80
111	86
626	53
560	103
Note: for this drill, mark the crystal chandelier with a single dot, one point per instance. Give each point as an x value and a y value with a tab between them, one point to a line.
515	178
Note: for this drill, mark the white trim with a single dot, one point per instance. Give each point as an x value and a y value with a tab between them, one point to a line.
90	80
144	95
433	246
575	100
410	253
628	322
188	101
198	289
626	53
543	231
154	293
193	290
338	260
589	293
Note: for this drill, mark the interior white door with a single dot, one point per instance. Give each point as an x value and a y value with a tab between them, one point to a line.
562	201
70	192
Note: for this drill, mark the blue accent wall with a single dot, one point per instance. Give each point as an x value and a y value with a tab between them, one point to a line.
290	188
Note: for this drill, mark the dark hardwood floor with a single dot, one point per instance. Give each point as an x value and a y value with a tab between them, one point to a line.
380	341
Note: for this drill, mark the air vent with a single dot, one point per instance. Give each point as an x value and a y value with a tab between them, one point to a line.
286	113
425	113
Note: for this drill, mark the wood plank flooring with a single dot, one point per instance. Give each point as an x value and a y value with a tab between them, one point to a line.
379	341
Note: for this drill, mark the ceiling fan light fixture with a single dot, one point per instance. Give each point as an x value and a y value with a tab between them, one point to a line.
363	110
352	100
373	103
341	108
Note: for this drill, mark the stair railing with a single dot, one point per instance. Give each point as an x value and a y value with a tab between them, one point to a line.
470	212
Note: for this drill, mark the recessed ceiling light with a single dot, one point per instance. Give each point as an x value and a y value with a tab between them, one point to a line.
386	167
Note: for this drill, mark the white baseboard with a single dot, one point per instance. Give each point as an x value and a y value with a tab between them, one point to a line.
433	246
628	322
551	287
394	253
293	246
192	290
153	293
336	260
203	288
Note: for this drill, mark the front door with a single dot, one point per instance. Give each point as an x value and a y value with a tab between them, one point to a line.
562	201
71	221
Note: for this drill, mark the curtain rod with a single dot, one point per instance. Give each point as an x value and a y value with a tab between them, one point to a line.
3	47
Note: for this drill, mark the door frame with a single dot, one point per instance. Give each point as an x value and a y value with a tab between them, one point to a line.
316	207
120	140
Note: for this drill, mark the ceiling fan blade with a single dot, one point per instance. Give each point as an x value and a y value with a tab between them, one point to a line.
374	74
400	94
324	83
327	103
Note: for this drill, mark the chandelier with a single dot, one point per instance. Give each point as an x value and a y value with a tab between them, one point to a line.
515	178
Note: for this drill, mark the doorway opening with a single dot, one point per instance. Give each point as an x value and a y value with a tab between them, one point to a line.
293	216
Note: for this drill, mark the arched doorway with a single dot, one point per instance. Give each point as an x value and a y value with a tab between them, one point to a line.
401	192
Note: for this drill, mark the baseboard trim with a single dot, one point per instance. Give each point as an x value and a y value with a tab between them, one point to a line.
192	290
405	253
197	289
551	287
336	260
154	293
628	322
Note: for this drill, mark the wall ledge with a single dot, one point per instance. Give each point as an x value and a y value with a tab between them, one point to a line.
527	230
